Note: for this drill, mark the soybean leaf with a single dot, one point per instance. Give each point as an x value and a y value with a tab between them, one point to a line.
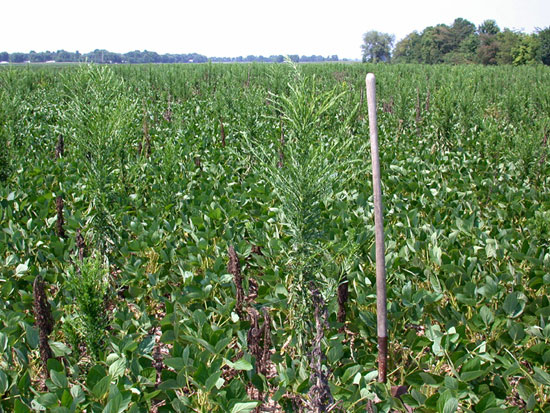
246	407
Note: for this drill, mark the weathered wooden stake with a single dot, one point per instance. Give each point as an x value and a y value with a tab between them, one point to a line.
381	309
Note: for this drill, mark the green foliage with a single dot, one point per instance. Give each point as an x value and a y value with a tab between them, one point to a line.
407	50
101	124
308	171
4	158
527	51
7	106
488	49
377	46
100	117
465	172
102	56
489	27
461	43
87	320
544	36
508	43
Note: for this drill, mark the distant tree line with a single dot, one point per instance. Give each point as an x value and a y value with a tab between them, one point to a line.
461	42
277	59
104	56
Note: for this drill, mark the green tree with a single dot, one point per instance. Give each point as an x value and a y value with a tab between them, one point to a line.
461	30
450	41
429	46
437	44
508	41
527	51
407	50
468	48
443	38
4	57
489	45
377	46
63	56
544	42
488	49
19	57
488	27
47	56
35	57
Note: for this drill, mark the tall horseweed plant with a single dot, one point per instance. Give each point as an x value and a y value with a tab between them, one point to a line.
86	320
100	123
308	167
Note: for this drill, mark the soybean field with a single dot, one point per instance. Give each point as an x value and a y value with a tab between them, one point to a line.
200	238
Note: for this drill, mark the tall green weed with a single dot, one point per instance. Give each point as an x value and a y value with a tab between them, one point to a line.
87	319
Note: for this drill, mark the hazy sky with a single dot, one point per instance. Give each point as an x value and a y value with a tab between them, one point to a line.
241	27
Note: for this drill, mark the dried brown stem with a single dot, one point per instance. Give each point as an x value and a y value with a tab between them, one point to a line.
60	221
256	249
254	336
320	397
60	147
158	363
44	320
388	106
343	293
428	101
258	338
167	115
234	268
222	132
80	245
259	344
148	145
146	136
266	356
252	290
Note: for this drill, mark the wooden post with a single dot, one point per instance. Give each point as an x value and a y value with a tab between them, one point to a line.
381	309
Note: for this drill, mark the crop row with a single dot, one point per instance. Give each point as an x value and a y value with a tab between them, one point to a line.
193	226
